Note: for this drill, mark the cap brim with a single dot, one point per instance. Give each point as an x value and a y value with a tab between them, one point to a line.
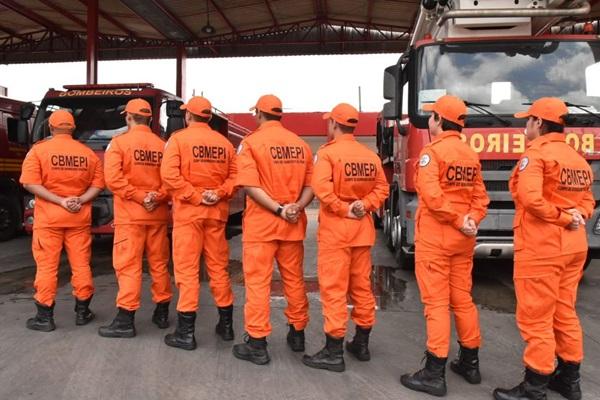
428	106
327	115
523	114
183	107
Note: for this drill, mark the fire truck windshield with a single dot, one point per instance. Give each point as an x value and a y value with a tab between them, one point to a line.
507	75
98	119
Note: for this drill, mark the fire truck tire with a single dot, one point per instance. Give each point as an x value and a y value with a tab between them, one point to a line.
405	261
9	218
588	261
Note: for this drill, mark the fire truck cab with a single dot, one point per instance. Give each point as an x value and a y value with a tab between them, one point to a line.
498	56
97	111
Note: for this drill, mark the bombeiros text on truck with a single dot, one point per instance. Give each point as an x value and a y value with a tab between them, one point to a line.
499	56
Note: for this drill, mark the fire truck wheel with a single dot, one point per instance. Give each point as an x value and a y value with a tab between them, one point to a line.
9	218
588	261
404	261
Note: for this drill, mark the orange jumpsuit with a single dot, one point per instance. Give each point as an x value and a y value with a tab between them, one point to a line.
550	178
280	163
449	185
197	159
66	168
346	171
132	170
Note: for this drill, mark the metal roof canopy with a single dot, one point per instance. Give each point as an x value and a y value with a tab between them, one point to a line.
33	31
40	31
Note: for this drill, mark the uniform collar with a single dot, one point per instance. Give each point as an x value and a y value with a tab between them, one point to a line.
62	136
198	124
446	134
140	128
549	137
269	124
344	138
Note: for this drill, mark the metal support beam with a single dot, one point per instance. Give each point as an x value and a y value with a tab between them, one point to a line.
113	21
176	19
64	12
222	14
92	42
181	64
370	5
268	4
38	19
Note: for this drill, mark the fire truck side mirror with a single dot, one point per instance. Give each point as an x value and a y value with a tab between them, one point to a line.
27	110
173	109
390	92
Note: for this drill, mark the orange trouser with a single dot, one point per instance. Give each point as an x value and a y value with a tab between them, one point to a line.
258	271
47	244
343	272
206	238
546	295
445	285
130	243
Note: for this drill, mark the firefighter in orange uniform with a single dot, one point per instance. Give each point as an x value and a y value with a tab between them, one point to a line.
551	187
199	171
349	182
452	203
132	170
275	168
65	176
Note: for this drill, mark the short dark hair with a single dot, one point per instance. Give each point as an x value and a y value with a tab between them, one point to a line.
345	128
199	118
270	117
549	126
448	125
140	119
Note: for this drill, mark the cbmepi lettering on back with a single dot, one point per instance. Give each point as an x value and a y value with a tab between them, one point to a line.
359	169
461	173
68	161
287	152
203	153
148	156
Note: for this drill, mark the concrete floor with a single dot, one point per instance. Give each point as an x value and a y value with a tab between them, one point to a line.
75	363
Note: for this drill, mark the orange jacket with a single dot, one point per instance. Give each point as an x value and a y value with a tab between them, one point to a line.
551	177
66	168
197	159
346	171
280	163
449	185
132	170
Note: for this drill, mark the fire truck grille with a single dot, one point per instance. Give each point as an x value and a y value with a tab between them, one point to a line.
498	165
496	186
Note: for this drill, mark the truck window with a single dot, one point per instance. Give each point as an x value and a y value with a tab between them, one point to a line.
11	128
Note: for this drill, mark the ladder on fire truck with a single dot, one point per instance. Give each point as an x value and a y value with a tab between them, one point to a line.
440	19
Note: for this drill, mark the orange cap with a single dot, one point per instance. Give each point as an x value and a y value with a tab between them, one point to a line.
270	104
450	108
198	105
139	107
548	108
343	114
61	119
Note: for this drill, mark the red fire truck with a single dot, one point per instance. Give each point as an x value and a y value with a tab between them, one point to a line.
97	111
499	56
14	120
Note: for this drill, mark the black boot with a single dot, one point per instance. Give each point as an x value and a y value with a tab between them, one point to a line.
224	327
467	365
359	346
43	320
431	379
183	337
253	350
121	327
295	339
160	317
331	357
532	388
83	314
565	380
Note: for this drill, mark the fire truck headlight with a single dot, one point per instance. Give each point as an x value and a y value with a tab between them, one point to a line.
29	221
429	4
31	204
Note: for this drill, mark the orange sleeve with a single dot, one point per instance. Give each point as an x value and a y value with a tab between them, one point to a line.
31	170
480	199
247	170
380	192
430	192
227	189
98	179
530	191
116	180
309	166
170	172
322	184
163	195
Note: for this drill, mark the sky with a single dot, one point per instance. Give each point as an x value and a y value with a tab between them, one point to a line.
304	83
